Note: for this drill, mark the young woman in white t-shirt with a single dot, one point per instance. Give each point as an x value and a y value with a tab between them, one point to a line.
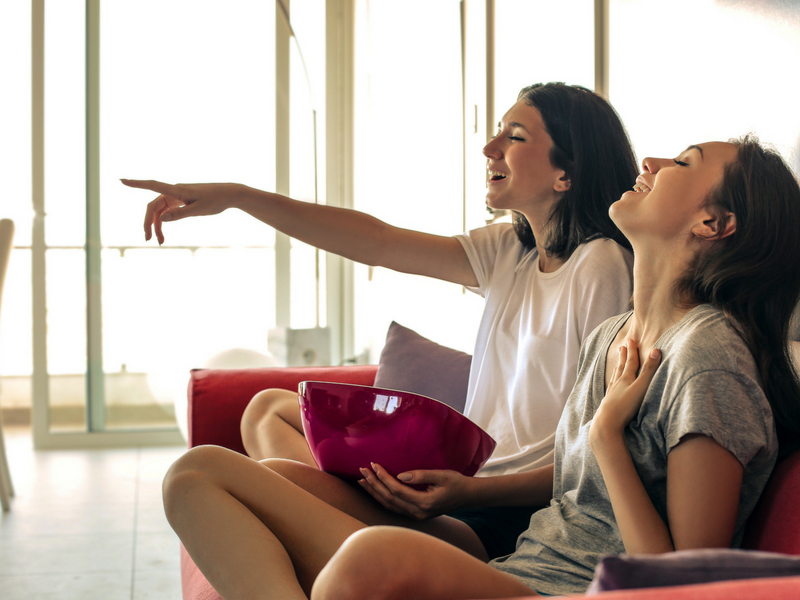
560	158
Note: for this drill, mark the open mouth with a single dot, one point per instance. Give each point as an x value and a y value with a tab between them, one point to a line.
640	187
496	175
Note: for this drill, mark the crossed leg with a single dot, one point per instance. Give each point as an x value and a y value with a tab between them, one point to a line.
254	533
353	501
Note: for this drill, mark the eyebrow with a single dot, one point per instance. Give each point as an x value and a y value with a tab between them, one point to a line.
698	148
512	124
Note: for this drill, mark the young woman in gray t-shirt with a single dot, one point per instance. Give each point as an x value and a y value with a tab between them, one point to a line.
681	406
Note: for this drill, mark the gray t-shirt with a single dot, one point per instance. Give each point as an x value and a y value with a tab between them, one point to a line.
707	383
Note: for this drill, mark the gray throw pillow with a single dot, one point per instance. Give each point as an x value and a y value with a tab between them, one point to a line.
413	363
689	567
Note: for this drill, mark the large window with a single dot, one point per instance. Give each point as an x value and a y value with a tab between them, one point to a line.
125	320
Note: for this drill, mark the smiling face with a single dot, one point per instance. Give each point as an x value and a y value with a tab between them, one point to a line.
521	176
668	199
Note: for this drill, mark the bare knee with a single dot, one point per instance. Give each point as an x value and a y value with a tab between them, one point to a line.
364	567
186	473
269	405
271	427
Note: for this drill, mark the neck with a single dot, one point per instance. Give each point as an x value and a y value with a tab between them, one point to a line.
654	306
538	222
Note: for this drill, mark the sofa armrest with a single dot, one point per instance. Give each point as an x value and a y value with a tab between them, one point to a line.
218	397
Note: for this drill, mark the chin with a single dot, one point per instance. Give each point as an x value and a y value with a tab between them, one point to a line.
616	212
498	204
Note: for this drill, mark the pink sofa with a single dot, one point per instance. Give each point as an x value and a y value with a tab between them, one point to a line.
217	399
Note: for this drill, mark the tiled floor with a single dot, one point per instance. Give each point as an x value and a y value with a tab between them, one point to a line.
87	524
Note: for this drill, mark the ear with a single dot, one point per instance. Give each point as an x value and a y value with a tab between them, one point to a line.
716	227
563	182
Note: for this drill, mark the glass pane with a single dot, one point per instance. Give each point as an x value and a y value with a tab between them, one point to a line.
194	102
307	126
697	83
167	311
65	123
15	339
15	317
307	94
15	120
408	161
557	45
182	110
66	338
408	103
304	285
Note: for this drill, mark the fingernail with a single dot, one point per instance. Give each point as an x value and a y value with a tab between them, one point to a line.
405	477
363	470
655	353
372	464
166	217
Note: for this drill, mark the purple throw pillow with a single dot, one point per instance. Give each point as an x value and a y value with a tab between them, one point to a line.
688	567
413	363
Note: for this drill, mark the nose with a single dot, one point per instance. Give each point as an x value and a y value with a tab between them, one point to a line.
492	149
654	165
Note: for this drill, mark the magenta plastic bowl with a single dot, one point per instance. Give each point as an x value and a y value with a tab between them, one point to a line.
349	426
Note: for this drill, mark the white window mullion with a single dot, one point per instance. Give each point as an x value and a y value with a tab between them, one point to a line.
601	52
282	165
40	385
95	384
339	102
490	69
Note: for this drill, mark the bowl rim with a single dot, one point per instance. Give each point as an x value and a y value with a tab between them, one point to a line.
372	387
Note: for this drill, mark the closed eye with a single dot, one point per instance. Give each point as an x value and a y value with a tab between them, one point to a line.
680	162
516	138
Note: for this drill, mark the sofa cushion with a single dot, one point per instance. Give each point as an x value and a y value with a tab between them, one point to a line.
413	363
689	567
774	525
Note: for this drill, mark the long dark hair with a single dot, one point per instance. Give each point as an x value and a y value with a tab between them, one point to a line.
753	274
589	143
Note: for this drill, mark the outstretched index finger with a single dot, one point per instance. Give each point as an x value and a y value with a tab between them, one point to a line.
159	187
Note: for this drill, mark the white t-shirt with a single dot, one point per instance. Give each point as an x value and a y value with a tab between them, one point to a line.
526	354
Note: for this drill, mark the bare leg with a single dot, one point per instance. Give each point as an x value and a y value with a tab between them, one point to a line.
271	427
389	563
252	533
352	500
